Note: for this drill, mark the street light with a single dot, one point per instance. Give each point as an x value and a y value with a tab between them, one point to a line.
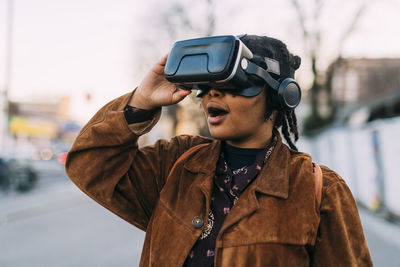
8	68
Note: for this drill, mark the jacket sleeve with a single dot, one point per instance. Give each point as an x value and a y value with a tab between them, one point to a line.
340	240
106	163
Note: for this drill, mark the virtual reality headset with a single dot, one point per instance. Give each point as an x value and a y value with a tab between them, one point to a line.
225	63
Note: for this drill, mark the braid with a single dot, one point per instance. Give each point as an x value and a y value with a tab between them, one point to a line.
292	120
286	133
286	120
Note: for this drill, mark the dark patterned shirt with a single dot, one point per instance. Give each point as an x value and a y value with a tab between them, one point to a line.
228	186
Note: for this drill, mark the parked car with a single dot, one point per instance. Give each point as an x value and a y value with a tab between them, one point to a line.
23	175
17	174
4	174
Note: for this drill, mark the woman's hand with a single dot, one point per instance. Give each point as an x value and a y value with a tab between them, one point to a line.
155	91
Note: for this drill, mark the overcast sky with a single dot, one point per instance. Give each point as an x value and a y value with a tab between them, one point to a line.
103	47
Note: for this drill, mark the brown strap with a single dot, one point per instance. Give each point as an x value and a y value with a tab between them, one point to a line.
318	182
186	154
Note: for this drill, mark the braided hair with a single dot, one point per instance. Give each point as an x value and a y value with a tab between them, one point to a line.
264	46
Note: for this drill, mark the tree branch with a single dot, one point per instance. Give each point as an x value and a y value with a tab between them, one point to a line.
301	18
352	26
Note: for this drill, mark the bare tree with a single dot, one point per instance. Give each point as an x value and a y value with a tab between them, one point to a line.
176	19
312	35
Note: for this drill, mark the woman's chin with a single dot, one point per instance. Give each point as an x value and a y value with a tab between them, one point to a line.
221	135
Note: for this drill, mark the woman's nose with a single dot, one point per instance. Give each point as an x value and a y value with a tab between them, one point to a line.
215	93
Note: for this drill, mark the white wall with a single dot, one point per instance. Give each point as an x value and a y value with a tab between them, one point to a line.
366	157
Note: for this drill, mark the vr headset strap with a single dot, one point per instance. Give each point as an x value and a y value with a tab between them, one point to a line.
263	74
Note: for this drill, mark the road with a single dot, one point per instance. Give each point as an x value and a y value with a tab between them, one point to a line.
57	225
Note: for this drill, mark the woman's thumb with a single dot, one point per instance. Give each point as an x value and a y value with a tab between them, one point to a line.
180	94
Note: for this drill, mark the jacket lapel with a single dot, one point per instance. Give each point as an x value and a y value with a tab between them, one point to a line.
273	180
204	163
205	159
274	177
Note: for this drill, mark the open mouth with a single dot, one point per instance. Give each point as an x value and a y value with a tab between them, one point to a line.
215	112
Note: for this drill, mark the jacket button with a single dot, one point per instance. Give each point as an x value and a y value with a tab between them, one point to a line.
197	222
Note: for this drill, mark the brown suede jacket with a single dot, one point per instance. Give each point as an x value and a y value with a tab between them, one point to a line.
276	222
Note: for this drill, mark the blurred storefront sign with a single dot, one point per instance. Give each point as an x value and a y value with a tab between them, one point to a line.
35	128
40	130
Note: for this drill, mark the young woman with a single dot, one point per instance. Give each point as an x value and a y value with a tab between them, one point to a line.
242	198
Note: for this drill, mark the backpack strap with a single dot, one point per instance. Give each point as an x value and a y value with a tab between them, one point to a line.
184	156
318	182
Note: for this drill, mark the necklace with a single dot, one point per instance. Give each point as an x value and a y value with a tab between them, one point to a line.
266	158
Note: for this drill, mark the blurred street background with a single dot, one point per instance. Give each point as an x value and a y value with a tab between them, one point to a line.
60	61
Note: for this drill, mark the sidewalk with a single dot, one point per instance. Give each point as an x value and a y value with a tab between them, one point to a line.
60	226
383	239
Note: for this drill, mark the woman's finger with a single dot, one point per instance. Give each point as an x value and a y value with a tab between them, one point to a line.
180	94
159	67
163	60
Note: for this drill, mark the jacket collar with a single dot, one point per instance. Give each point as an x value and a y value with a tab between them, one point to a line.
205	159
273	179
